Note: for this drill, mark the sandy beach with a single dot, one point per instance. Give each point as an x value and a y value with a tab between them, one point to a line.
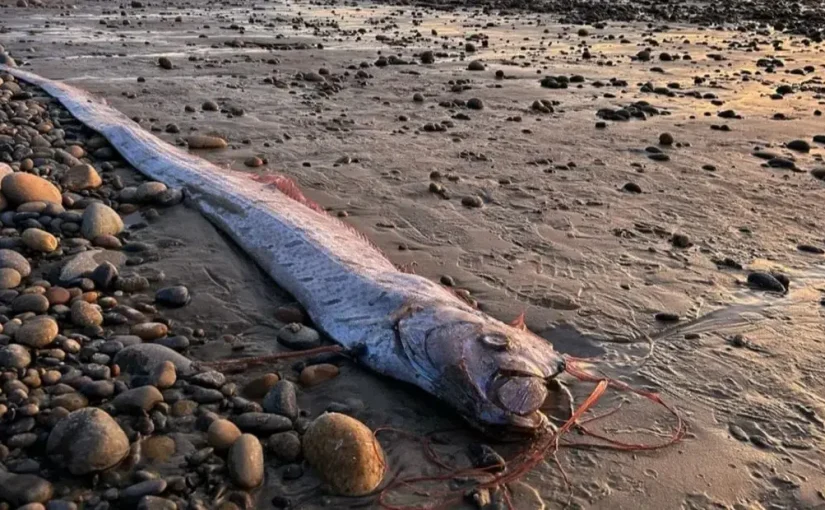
618	181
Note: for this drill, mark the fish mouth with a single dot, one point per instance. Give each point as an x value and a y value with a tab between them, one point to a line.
518	393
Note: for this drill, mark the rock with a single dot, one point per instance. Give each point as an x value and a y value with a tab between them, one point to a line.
260	386
262	423
157	503
475	103
475	65
19	490
150	191
765	281
286	446
174	297
799	146
104	275
222	434
165	63
245	462
345	454
134	492
666	139
141	359
85	314
282	399
149	331
12	259
99	220
86	441
163	376
9	278
21	187
210	106
70	401
205	142
632	187
80	177
14	357
35	303
39	240
299	337
86	262
37	332
316	374
137	400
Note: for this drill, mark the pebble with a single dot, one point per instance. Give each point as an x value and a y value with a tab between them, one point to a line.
104	275
799	146
345	454
260	386
80	177
316	374
262	423
163	375
86	441
173	297
141	359
21	187
298	337
12	259
141	489
222	434
165	63
37	332
150	191
149	331
35	303
84	314
282	399
286	446
14	357
765	281
205	142
9	278
100	220
39	240
19	490
136	400
245	462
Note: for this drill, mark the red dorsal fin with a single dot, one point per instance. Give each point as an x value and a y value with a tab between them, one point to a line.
518	322
289	188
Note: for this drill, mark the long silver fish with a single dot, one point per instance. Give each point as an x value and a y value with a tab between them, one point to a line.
401	325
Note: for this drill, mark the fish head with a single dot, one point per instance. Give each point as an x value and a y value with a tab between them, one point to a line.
494	374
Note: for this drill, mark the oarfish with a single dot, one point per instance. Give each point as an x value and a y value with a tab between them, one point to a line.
401	325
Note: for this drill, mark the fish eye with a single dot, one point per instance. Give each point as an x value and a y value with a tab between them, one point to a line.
496	341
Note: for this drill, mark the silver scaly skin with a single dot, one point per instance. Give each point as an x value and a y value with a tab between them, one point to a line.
401	325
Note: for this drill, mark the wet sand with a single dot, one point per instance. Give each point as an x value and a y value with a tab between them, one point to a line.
557	236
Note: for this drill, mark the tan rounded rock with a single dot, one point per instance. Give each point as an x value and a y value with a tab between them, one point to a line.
206	142
245	462
9	278
345	454
86	441
80	177
149	331
21	187
85	314
163	375
99	220
37	332
39	240
222	434
260	386
316	374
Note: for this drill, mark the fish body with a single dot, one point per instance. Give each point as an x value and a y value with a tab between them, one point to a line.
401	325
